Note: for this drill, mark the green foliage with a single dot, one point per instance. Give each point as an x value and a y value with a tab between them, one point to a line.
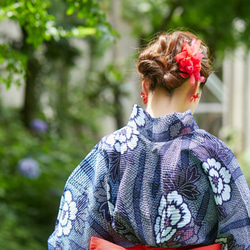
143	17
39	24
28	207
14	64
221	31
32	16
105	91
40	21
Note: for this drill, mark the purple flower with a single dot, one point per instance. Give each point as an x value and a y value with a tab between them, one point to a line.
29	168
39	125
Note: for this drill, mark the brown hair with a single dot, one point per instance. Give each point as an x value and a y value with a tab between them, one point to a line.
157	61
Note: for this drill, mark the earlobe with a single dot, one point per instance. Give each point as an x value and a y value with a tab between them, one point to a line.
144	94
144	98
194	97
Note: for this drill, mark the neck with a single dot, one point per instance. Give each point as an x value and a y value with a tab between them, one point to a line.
161	103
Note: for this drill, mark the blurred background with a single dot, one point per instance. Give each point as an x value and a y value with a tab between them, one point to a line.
68	77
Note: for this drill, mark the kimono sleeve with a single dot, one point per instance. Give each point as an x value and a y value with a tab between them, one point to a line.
232	199
84	210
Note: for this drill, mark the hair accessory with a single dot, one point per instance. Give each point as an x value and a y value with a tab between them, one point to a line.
190	61
144	98
194	97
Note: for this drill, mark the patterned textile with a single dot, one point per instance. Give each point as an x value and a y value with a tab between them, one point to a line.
160	182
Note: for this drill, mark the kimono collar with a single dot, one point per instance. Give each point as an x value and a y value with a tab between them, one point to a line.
163	128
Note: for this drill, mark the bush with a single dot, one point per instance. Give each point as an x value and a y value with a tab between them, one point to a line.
34	166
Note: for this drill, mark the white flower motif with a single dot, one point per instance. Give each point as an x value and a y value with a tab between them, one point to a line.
110	140
137	118
126	138
67	214
219	178
173	214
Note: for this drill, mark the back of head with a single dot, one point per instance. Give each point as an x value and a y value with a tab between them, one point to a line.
157	62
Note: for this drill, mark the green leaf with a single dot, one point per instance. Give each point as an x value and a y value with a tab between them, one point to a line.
81	31
70	10
30	7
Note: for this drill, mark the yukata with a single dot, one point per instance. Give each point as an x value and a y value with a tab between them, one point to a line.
159	182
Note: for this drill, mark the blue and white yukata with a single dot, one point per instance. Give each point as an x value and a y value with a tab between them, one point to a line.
159	182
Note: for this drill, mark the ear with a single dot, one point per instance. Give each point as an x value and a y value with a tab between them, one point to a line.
145	86
197	87
195	90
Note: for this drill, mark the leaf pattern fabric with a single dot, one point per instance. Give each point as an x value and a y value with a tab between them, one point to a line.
160	182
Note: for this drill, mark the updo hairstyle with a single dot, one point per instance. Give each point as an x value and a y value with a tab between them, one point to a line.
157	63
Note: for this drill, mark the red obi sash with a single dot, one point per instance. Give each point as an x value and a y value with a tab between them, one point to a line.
101	244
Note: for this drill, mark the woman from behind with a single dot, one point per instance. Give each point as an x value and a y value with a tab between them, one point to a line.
160	181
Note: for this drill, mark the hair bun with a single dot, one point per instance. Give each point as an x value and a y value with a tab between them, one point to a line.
157	61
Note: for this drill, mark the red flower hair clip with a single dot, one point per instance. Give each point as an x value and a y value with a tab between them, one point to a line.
190	61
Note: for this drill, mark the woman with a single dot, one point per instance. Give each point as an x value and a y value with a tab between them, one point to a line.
160	181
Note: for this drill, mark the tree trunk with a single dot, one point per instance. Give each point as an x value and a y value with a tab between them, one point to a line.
32	70
30	95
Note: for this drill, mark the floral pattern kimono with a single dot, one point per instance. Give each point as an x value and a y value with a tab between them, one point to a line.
160	182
